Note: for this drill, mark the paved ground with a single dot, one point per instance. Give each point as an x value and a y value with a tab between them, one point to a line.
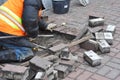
78	16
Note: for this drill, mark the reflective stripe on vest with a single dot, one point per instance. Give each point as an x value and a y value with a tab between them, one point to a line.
11	19
8	22
8	11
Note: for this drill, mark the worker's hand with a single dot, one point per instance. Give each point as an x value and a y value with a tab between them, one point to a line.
51	26
32	39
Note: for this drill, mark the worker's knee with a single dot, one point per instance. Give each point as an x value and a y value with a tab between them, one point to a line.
24	53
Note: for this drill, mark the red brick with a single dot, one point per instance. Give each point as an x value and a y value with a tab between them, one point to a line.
118	55
111	54
84	76
118	46
67	78
115	43
74	48
98	77
74	74
118	78
58	47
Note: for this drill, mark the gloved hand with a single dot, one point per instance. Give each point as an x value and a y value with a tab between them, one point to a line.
32	39
51	26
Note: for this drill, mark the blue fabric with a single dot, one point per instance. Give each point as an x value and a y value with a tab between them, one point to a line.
21	52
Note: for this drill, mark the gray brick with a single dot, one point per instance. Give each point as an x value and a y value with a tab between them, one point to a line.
14	72
114	65
39	64
116	60
113	74
104	70
58	47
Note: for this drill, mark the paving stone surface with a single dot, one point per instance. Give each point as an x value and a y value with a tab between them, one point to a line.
78	16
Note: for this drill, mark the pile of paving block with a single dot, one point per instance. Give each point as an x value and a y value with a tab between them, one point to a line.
102	41
62	61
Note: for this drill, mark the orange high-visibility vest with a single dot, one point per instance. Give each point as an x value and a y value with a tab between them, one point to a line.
10	17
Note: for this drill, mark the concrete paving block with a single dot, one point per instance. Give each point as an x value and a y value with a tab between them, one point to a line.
94	15
96	22
14	72
108	37
58	47
65	54
39	76
39	64
104	46
99	35
71	64
63	71
111	28
90	45
96	29
92	58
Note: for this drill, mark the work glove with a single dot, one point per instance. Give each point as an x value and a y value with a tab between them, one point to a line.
51	26
32	39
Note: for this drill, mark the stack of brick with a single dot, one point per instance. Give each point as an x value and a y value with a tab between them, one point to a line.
14	72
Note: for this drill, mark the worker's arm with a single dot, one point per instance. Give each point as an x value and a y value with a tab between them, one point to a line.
30	17
42	24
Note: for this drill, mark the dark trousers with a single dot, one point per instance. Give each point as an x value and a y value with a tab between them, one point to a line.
15	49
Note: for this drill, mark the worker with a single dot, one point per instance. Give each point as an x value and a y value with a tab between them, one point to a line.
20	18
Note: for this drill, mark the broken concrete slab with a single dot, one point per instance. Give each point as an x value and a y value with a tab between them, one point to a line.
92	58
